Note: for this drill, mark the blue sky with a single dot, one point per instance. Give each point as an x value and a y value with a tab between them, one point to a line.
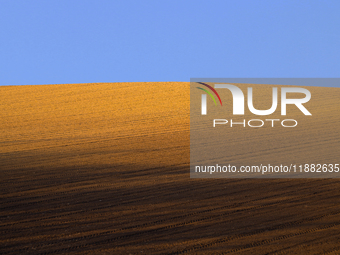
83	41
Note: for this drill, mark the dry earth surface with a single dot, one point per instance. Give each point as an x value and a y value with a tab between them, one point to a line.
104	169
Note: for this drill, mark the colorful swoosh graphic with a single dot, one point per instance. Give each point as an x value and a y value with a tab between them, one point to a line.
209	92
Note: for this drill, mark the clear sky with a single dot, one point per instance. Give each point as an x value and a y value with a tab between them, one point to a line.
83	41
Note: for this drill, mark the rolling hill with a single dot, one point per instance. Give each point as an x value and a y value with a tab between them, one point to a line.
104	169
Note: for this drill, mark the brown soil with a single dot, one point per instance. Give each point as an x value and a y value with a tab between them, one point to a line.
104	169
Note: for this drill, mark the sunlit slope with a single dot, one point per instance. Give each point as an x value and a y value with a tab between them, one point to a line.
112	124
147	124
